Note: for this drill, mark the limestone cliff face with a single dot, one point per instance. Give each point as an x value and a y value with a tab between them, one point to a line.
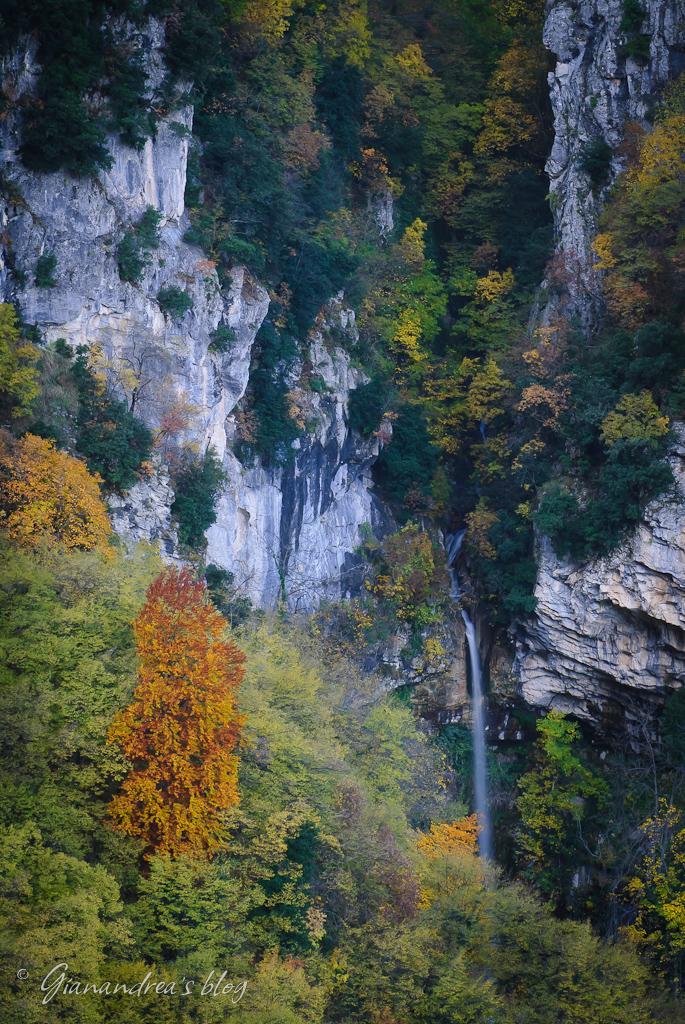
609	636
283	532
595	91
292	532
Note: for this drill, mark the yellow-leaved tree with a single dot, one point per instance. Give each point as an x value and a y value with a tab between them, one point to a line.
448	837
18	376
460	399
449	851
267	19
635	418
657	891
46	493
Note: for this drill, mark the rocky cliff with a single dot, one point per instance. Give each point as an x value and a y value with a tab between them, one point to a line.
596	90
292	532
286	532
607	638
606	634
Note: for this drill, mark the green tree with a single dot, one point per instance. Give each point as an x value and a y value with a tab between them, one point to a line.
45	270
194	914
196	489
54	909
274	428
407	465
174	302
68	665
560	964
555	798
133	254
368	402
114	442
635	418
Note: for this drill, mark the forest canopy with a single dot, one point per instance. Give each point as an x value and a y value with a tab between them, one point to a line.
193	786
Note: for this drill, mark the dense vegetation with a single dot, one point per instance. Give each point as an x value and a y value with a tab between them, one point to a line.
347	111
80	53
68	398
342	887
133	254
196	484
164	811
344	884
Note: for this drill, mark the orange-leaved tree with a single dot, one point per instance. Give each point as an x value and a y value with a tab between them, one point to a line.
450	862
181	730
450	837
46	493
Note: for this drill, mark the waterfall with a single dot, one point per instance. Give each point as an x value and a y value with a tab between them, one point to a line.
480	767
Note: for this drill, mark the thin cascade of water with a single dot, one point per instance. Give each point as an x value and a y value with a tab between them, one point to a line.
480	767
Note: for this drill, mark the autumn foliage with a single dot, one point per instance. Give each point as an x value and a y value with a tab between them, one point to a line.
450	837
409	576
449	848
45	492
656	889
18	376
640	249
180	732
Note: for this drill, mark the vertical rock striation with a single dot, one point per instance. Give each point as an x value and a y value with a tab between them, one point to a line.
291	532
287	532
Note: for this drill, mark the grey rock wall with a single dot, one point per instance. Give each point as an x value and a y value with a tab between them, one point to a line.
292	532
595	91
607	640
285	533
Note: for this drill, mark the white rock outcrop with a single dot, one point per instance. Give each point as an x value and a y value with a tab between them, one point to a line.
291	532
285	533
608	637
